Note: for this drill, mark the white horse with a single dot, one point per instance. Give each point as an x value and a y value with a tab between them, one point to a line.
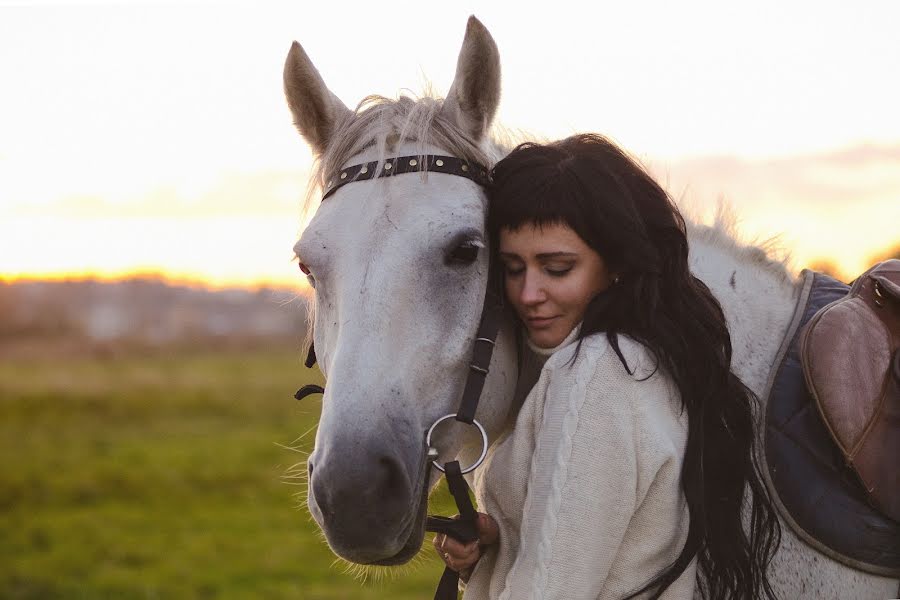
399	293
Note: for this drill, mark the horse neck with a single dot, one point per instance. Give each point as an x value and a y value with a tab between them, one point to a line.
757	296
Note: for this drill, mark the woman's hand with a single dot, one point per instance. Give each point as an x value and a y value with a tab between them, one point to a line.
462	557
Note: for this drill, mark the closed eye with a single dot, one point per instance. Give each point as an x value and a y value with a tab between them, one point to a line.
558	271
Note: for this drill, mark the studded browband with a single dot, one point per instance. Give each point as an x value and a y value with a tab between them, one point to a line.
408	164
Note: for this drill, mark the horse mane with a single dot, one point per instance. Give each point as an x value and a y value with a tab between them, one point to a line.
386	123
769	254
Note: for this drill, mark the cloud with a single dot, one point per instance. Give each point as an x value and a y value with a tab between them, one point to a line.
258	194
842	206
858	176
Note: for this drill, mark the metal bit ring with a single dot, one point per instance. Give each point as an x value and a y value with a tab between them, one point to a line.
484	444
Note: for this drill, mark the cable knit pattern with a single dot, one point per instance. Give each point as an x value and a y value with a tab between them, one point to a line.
560	473
585	487
576	397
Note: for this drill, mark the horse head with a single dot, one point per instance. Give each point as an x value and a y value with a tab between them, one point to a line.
400	267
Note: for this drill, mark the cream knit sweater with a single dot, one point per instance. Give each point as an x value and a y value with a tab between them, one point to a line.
585	486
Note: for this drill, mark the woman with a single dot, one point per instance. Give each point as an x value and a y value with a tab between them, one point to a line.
626	471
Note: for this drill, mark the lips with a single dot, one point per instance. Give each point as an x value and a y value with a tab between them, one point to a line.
539	322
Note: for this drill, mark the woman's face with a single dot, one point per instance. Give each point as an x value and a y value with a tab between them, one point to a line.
551	275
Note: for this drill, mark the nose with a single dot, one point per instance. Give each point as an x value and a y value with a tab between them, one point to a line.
532	292
341	490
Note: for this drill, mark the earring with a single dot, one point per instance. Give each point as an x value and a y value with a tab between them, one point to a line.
615	279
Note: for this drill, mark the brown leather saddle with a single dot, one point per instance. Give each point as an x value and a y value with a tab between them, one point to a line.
850	352
814	477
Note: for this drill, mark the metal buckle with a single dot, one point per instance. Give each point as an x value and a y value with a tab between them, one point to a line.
432	452
878	294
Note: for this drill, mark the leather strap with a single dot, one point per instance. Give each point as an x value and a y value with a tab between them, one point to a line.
310	356
399	165
463	529
482	352
308	390
895	367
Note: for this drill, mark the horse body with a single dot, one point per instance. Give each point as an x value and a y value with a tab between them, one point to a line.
395	320
758	295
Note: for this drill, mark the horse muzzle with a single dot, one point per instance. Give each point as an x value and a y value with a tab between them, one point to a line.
370	505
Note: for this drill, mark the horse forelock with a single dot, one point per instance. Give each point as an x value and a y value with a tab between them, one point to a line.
385	123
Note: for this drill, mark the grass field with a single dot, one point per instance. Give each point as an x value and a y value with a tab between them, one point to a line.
163	477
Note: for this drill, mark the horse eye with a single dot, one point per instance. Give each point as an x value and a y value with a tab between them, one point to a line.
464	253
309	277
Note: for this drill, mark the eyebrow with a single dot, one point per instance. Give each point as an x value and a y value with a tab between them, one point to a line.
543	255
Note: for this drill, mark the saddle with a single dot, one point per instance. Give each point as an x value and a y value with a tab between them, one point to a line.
850	352
815	487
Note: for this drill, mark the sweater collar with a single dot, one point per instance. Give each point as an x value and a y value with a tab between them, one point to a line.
547	352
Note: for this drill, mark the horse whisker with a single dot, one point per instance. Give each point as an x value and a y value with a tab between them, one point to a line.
292	449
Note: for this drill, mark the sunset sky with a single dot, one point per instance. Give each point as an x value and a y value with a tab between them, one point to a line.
154	137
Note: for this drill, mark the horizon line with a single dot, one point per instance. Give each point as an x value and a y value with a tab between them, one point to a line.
299	286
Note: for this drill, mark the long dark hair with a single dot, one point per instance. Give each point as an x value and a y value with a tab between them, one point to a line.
589	184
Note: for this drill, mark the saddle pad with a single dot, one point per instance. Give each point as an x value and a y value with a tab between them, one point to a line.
814	491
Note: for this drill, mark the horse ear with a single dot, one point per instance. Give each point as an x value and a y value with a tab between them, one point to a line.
316	110
475	93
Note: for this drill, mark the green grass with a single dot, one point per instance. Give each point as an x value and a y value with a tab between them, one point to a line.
163	477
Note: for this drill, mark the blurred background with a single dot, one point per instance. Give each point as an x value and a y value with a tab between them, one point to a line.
151	185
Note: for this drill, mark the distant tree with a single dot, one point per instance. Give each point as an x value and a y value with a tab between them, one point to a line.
829	267
891	252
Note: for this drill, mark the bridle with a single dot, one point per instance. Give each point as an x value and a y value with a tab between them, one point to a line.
464	528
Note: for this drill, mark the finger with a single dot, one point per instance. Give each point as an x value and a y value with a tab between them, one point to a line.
448	560
451	562
467	554
472	549
438	542
469	561
488	530
454	547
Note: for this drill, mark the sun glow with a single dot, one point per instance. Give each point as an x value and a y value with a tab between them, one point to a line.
145	138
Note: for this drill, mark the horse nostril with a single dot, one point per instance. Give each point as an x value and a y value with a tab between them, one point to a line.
309	469
317	490
391	475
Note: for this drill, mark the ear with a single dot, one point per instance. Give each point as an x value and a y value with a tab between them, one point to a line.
475	93
316	110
